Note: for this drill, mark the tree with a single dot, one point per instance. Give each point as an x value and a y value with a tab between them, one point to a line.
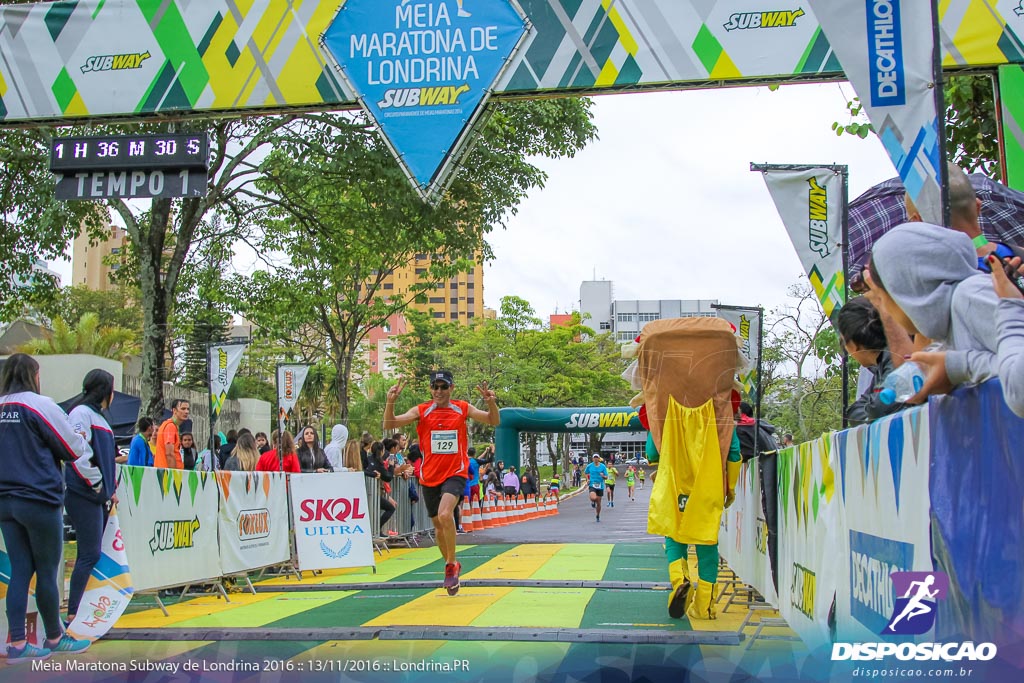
85	337
116	307
342	213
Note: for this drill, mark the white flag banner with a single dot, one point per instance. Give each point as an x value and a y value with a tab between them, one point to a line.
109	589
253	520
810	202
887	50
332	523
747	322
290	379
223	364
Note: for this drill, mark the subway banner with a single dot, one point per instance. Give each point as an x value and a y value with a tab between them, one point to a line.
332	523
884	486
887	51
109	589
222	364
810	201
253	520
743	539
812	525
142	58
747	322
173	513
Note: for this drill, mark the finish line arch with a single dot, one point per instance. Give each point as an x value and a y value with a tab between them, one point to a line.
514	421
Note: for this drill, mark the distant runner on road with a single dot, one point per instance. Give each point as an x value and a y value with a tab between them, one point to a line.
596	473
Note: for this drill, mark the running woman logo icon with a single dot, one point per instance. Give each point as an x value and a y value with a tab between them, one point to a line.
917	594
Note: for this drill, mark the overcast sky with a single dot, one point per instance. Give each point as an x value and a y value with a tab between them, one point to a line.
664	203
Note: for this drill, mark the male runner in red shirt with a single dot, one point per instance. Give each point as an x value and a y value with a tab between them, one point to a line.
444	442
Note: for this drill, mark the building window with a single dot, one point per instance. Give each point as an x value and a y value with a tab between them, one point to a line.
388	285
420	271
437	299
455	285
455	316
648	317
606	326
470	285
470	314
421	257
439	315
626	317
115	250
470	300
454	300
624	336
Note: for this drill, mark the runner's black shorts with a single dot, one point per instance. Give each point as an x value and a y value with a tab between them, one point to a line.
432	494
599	492
611	487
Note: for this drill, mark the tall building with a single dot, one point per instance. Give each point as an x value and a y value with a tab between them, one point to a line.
458	300
624	318
92	265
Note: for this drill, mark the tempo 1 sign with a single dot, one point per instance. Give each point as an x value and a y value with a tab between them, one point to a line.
136	184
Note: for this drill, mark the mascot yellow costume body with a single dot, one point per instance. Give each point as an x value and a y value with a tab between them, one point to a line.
685	369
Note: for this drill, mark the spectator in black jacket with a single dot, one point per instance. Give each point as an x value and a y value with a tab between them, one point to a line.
377	467
37	438
225	450
311	457
768	466
863	335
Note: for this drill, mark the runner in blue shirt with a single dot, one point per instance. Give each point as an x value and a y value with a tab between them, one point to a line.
596	473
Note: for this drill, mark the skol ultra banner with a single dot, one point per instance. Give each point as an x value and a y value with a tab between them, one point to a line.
743	540
887	51
253	520
169	525
810	203
811	528
290	379
332	522
223	364
747	322
109	589
884	488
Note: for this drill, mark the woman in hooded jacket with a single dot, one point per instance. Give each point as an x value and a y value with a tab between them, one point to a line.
926	278
88	509
335	450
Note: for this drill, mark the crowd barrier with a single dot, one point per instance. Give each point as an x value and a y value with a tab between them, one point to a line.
934	488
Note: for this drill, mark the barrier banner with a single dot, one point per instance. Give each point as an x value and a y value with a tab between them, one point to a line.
811	526
810	202
884	488
743	540
977	494
171	515
253	521
887	50
109	589
332	522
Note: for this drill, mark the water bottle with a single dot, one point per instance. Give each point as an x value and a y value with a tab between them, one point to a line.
901	383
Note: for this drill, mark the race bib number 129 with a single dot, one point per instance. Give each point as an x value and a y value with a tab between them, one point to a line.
444	442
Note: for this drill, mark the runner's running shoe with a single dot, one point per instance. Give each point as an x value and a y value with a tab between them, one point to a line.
28	653
451	577
69	645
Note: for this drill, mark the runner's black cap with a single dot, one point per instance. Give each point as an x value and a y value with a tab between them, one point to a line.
441	376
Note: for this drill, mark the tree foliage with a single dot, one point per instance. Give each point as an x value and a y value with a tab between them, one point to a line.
85	336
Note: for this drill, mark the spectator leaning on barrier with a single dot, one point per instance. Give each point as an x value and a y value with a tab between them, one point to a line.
377	467
311	457
352	459
863	336
139	453
282	458
510	482
926	277
37	439
189	452
168	441
228	445
245	457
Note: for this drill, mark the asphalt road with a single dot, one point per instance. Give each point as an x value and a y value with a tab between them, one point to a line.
574	523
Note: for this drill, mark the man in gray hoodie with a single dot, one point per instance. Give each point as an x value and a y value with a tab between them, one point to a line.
926	278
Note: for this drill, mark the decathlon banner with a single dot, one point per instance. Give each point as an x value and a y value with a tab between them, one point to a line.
888	53
253	520
811	531
223	363
743	540
331	517
169	525
423	72
747	322
884	487
109	589
290	379
810	201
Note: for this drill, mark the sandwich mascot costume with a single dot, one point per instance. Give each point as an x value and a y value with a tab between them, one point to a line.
685	369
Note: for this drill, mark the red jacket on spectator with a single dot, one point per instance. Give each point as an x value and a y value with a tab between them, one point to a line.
268	462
